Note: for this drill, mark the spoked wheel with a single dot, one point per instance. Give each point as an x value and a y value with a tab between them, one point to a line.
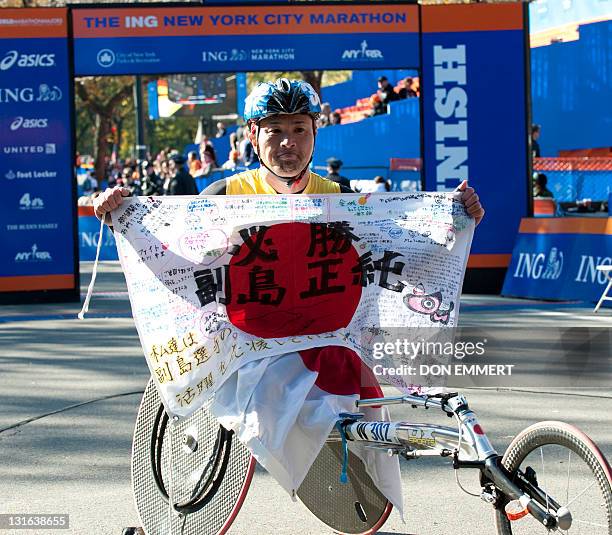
207	468
570	471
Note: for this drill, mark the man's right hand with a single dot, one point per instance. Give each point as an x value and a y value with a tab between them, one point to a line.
109	200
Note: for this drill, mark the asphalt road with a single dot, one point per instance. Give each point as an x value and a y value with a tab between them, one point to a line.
70	389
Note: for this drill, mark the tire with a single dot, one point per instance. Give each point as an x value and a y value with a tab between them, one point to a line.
586	470
216	515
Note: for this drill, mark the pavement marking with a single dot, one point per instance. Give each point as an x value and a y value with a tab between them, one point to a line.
64	409
53	317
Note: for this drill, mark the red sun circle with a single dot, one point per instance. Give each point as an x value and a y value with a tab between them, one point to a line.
277	289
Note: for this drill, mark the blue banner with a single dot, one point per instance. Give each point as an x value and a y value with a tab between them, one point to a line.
36	220
475	113
152	55
558	266
89	232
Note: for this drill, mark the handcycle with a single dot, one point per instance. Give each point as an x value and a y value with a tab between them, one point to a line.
551	479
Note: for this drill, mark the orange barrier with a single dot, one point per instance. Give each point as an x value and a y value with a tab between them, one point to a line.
544	207
567	225
572	164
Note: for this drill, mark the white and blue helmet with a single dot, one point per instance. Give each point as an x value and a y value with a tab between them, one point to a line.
281	97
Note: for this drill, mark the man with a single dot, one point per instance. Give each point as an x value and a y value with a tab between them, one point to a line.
535	135
151	184
386	92
333	168
180	182
193	164
540	188
281	120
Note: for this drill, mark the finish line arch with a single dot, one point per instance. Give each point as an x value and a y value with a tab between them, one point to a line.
472	60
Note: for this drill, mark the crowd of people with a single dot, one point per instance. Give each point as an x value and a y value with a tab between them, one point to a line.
386	93
169	172
378	102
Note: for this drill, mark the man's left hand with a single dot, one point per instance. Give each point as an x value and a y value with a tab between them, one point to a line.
471	201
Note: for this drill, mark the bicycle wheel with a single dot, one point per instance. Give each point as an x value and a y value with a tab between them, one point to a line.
570	470
210	479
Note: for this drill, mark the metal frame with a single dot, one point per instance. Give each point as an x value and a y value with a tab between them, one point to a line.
467	445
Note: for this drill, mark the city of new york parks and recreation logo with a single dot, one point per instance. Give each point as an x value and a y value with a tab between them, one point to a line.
105	58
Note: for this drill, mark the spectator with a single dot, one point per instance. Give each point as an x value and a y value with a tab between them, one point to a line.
386	92
233	139
245	149
151	183
180	182
406	89
540	189
333	166
209	161
221	130
535	135
325	117
378	107
164	170
380	184
194	164
87	182
335	118
233	160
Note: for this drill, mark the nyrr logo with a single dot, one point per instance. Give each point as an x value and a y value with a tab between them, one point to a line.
363	53
20	122
105	58
14	58
33	256
539	265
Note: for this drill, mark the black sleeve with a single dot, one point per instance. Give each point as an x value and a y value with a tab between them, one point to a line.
344	189
216	188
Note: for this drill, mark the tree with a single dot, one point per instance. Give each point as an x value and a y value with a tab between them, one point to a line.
317	79
102	96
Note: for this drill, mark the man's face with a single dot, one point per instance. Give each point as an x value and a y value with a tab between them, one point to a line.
285	143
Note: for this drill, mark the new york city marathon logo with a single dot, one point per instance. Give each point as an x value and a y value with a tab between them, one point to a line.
14	59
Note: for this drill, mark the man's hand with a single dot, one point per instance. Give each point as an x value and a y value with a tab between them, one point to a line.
108	200
471	201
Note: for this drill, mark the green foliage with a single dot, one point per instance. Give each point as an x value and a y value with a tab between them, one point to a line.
329	77
173	132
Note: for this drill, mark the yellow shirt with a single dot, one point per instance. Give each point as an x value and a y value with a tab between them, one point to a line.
251	183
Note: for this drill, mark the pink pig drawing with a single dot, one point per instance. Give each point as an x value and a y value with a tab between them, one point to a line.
428	304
